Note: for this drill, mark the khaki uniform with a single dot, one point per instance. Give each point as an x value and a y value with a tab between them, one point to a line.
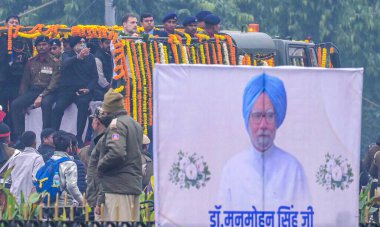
120	169
40	78
41	74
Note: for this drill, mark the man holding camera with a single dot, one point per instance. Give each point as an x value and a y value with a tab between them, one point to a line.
79	78
39	82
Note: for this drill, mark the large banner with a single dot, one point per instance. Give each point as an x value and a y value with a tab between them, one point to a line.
256	146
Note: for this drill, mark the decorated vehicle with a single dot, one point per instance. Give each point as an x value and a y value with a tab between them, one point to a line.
286	51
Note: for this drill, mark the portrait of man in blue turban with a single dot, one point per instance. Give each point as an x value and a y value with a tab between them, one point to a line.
264	175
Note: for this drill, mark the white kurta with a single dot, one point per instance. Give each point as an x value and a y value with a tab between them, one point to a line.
265	180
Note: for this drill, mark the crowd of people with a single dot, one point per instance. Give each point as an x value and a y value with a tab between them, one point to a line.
112	170
74	70
115	164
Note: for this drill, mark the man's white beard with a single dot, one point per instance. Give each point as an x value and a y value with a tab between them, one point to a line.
264	140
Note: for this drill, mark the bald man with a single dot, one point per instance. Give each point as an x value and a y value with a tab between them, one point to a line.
264	175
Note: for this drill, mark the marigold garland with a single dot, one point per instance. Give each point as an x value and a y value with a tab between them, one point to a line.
226	55
319	56
214	57
185	58
119	89
188	39
156	51
219	53
151	55
202	51
140	74
10	29
150	85
193	54
144	92
208	60
324	57
175	53
131	48
232	49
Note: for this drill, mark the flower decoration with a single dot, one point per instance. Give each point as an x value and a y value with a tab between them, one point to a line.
189	171
336	173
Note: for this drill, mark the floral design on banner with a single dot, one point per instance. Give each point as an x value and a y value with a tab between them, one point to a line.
336	173
189	171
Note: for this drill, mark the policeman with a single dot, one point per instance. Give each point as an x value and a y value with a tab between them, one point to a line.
39	82
119	166
55	48
212	25
201	16
190	24
170	23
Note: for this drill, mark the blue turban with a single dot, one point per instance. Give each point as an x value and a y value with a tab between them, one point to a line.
273	87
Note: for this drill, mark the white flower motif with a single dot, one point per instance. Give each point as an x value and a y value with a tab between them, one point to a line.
191	172
344	168
328	178
184	162
181	176
330	165
200	166
336	173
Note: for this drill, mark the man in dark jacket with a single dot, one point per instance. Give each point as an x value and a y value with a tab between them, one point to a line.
46	149
78	79
119	167
12	66
104	66
94	192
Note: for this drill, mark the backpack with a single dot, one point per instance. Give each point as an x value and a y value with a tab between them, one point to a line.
47	179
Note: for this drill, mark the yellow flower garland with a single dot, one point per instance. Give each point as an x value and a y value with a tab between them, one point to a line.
184	54
166	55
134	83
194	56
151	54
203	57
188	39
119	89
144	91
324	57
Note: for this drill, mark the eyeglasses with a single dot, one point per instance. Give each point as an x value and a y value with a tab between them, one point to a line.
54	48
258	116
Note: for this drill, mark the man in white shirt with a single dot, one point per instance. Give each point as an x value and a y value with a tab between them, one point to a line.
264	175
25	166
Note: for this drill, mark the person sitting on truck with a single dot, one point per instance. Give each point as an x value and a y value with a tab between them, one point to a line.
201	16
190	24
212	25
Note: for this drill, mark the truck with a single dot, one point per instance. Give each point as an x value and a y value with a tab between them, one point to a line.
286	51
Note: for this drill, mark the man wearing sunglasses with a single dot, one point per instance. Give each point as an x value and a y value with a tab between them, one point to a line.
264	175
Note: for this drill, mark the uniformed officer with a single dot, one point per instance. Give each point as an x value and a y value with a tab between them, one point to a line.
170	23
201	16
212	25
190	24
39	81
56	49
119	166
